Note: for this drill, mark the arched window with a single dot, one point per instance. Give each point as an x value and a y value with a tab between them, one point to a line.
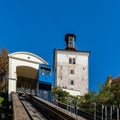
74	61
70	60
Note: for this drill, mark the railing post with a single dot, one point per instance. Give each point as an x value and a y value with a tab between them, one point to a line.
102	111
94	110
66	103
111	112
106	112
76	110
56	99
118	114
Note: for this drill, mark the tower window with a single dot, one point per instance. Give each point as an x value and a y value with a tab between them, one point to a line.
83	68
70	42
70	60
74	61
71	71
71	82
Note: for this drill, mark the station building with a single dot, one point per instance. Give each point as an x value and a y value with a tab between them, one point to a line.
24	73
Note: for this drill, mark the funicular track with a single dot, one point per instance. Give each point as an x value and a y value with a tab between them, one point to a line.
23	110
50	111
38	109
33	113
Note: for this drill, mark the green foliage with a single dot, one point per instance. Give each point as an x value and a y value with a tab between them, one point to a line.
115	89
109	93
61	94
86	101
1	100
105	95
4	108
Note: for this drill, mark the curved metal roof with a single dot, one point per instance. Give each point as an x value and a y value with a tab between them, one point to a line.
28	53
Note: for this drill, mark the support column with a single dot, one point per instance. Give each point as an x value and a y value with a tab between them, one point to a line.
11	87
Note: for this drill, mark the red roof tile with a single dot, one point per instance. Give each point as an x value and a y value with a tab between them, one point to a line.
116	80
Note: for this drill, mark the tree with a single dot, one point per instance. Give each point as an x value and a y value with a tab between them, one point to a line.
115	89
105	95
3	67
86	101
60	94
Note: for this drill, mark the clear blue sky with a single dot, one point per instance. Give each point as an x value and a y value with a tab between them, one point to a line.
39	26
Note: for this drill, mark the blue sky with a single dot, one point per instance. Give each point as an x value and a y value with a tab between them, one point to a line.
39	26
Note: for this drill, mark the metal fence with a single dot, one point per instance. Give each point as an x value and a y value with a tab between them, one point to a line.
100	111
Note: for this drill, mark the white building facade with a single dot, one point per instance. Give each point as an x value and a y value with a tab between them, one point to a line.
71	68
23	70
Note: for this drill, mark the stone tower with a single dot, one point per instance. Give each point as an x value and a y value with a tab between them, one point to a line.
71	68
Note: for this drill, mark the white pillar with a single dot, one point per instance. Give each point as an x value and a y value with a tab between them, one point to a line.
12	87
